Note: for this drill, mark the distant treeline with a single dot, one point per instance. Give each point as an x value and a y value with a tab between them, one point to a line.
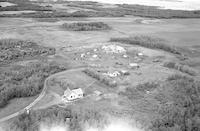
20	81
154	12
96	10
148	42
15	49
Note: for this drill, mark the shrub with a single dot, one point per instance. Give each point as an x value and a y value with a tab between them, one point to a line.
145	41
183	68
92	26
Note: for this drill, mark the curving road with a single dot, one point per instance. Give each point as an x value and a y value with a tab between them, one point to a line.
40	96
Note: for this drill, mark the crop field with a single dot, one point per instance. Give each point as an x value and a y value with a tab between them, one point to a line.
134	68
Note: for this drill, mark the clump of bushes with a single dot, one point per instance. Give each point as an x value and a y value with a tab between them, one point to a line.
15	49
105	80
180	67
81	26
24	81
148	42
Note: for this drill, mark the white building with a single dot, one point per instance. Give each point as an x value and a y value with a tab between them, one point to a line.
70	95
114	74
134	65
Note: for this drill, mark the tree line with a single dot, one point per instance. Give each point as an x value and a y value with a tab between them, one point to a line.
24	81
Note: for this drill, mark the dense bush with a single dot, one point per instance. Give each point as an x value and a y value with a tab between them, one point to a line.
32	121
24	81
149	42
180	67
182	112
74	118
105	80
14	49
174	103
86	26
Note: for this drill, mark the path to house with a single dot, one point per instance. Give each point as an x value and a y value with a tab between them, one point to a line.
40	96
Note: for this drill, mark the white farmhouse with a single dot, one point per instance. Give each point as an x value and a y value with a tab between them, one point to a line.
70	95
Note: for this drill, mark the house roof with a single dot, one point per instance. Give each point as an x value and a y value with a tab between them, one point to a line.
78	91
68	92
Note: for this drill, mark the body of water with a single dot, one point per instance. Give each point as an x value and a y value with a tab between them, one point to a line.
164	4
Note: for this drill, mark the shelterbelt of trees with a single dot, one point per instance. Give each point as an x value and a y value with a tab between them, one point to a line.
15	49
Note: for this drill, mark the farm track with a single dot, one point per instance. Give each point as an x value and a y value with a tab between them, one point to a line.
40	96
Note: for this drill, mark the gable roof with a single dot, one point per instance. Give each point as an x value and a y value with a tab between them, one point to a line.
78	91
68	92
